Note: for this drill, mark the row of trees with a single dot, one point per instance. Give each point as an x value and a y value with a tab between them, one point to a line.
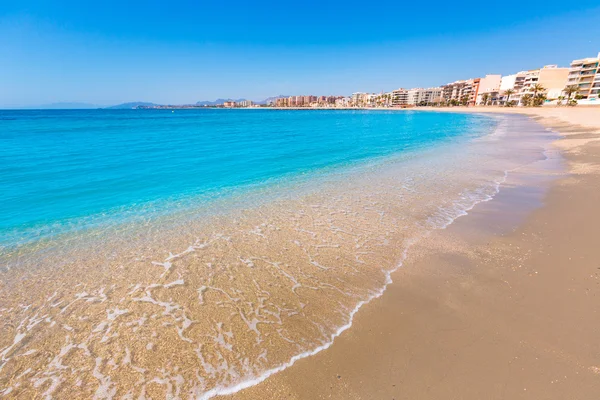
570	90
537	96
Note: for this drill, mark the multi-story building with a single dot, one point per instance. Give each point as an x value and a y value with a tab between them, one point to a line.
552	78
490	86
512	82
371	100
300	101
585	73
229	104
463	92
384	99
400	98
343	102
309	100
245	103
420	96
359	99
471	91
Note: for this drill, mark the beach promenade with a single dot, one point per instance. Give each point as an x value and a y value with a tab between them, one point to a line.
503	304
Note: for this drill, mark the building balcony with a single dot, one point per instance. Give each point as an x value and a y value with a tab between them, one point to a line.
590	66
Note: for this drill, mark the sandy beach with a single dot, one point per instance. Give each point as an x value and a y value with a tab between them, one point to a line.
503	304
489	236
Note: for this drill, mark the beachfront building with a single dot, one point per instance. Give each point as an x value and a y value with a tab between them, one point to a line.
343	102
488	89
461	92
471	91
360	99
585	74
245	103
357	99
400	98
229	104
369	100
383	99
302	101
424	97
514	83
282	102
551	77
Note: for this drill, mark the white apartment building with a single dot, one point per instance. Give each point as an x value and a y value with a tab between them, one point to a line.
371	100
245	103
512	82
358	99
343	102
490	86
400	98
585	73
551	77
424	96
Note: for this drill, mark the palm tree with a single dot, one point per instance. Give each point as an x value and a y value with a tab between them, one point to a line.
484	98
508	93
535	89
569	90
539	99
526	99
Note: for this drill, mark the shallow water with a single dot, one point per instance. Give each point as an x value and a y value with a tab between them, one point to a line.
191	290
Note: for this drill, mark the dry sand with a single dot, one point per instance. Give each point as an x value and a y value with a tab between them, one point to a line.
504	304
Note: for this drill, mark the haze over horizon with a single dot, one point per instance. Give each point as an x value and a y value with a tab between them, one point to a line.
109	53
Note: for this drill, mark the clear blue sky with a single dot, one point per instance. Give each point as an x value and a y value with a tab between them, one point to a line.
108	52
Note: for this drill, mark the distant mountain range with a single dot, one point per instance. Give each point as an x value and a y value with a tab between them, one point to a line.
132	105
271	99
203	103
221	101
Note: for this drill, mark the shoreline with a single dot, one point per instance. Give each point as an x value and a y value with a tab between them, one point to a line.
375	359
127	308
182	287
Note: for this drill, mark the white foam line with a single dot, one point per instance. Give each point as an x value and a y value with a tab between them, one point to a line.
228	390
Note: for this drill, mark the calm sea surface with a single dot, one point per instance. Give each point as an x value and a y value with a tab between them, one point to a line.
58	166
190	254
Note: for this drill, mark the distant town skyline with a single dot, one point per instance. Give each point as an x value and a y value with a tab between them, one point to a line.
106	54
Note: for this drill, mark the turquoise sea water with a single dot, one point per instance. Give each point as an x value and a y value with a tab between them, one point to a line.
65	165
196	253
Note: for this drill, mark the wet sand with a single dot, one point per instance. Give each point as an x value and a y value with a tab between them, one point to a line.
190	304
503	304
189	307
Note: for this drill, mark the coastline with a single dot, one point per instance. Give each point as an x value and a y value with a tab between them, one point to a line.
211	304
159	299
490	307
